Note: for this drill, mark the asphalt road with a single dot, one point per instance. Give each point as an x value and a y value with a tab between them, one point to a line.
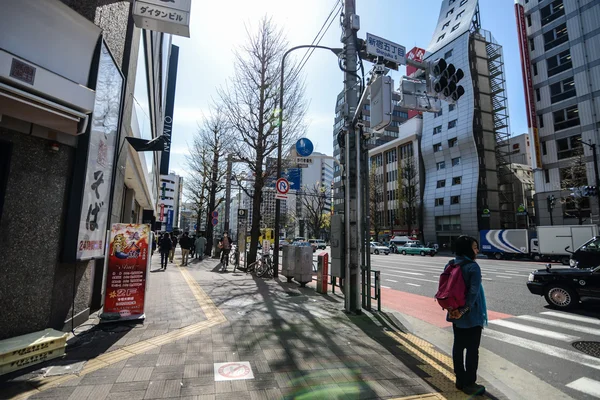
525	331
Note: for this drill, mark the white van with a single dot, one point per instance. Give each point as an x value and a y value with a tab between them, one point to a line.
400	240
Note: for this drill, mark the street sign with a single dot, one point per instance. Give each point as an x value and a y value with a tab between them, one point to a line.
283	186
302	165
390	51
162	212
215	221
304	147
242	213
486	213
521	210
304	160
279	196
215	214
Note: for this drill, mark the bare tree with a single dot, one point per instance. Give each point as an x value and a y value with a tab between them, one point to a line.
207	165
573	178
314	200
408	192
252	102
376	192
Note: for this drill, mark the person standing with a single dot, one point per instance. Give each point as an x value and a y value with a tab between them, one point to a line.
192	246
165	244
174	241
468	321
185	244
200	245
225	246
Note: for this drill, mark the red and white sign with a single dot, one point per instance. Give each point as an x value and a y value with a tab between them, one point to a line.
162	212
232	371
415	54
127	269
283	187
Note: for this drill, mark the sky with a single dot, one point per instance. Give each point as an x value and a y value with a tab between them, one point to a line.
206	58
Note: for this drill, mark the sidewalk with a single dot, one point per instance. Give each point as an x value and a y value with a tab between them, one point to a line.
297	344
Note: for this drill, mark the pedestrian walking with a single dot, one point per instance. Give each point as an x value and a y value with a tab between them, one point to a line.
185	244
192	246
468	321
165	244
225	246
200	245
174	241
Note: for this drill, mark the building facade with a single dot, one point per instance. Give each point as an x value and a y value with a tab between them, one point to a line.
396	184
459	144
171	187
560	54
66	106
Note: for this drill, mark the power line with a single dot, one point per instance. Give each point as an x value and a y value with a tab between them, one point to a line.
317	39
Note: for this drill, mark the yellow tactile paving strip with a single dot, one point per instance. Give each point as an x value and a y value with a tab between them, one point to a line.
214	317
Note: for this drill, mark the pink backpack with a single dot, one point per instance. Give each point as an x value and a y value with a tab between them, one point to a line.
452	291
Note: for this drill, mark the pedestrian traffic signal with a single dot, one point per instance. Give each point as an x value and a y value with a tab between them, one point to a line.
444	80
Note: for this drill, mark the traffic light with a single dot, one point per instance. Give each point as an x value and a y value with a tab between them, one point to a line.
444	80
590	191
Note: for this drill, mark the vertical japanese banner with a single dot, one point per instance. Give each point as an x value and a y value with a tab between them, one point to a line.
128	264
170	216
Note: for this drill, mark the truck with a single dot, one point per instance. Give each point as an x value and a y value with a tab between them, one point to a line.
546	243
509	244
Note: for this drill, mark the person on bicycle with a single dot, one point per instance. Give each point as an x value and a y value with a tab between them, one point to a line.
225	246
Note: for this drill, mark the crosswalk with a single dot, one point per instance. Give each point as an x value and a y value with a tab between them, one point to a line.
422	272
551	334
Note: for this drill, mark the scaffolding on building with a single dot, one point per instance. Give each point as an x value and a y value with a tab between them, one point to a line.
499	98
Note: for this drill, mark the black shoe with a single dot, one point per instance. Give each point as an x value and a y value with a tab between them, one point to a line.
474	389
459	386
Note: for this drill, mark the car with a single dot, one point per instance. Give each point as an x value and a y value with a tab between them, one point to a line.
413	248
563	288
282	244
321	244
378	248
587	255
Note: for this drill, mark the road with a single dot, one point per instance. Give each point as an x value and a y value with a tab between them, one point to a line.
522	328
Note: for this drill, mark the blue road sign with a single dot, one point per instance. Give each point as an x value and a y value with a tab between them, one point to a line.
215	221
304	147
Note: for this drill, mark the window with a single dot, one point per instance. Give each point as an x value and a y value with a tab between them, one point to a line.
555	37
390	156
448	223
367	107
452	124
441	184
437	147
544	150
463	2
452	142
449	13
541	120
455	200
400	114
552	11
547	175
531	45
437	129
437	114
577	209
441	37
457	180
566	118
439	201
574	175
538	97
529	20
448	54
568	147
441	165
456	161
559	63
406	151
535	70
451	107
455	27
562	90
459	15
447	24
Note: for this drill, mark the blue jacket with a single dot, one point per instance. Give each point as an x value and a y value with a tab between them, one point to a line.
477	314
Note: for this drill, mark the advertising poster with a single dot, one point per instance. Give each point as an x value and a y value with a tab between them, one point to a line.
128	261
170	216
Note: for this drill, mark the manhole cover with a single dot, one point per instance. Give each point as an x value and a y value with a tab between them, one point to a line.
589	348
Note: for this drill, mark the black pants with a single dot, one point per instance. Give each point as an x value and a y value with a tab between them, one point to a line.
465	368
164	258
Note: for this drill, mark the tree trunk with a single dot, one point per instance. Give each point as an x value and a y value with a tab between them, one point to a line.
255	228
212	200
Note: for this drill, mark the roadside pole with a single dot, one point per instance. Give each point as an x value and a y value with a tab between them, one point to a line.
228	192
352	157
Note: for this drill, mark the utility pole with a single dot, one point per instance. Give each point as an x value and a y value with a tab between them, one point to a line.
228	192
352	159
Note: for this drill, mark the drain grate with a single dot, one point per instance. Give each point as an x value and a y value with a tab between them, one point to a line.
589	348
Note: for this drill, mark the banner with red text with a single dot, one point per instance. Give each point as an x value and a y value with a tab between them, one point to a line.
128	262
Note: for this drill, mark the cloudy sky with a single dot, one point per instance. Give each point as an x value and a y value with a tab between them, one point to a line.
219	27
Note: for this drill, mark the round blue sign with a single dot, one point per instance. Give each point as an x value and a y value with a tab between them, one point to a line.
215	221
304	147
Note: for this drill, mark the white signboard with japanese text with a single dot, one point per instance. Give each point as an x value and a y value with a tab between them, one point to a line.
384	48
169	16
101	151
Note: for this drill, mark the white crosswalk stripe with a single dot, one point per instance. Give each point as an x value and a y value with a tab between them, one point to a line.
536	331
559	324
587	386
578	318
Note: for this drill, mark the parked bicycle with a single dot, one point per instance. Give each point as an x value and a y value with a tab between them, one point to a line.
234	257
261	266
